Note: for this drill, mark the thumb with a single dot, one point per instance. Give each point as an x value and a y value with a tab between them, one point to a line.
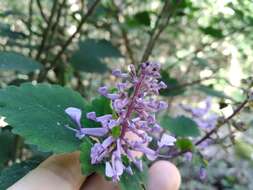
57	172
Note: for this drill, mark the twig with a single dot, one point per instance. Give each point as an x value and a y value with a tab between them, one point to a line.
124	36
47	30
237	110
56	23
41	11
158	28
68	42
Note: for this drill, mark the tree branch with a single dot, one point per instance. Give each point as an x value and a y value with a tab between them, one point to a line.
47	30
237	110
41	11
159	28
68	42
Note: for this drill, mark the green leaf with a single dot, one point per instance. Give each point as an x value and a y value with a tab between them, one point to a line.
36	112
184	144
212	92
85	160
211	31
89	56
137	181
6	31
180	126
7	146
101	105
140	18
116	131
15	172
17	62
173	86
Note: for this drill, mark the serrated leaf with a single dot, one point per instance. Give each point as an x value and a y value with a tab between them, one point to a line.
15	172
36	112
12	61
89	56
85	160
137	181
181	126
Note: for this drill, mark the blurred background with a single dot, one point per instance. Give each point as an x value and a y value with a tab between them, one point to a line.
205	48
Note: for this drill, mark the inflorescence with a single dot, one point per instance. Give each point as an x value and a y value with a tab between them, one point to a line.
133	113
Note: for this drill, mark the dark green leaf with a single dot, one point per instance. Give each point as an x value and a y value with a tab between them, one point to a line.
17	62
140	18
7	146
212	92
12	174
89	56
101	106
180	126
137	181
85	160
36	112
214	32
173	86
6	31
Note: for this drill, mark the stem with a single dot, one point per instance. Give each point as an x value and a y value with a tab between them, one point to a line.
41	11
237	110
130	107
158	29
46	31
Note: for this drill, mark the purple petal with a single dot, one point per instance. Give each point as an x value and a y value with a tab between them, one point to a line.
138	164
108	170
91	115
75	114
167	140
103	90
98	132
129	170
118	73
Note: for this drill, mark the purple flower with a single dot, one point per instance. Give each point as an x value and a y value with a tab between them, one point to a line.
202	173
167	140
75	114
133	113
202	116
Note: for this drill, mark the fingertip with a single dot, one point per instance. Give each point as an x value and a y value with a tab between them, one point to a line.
164	175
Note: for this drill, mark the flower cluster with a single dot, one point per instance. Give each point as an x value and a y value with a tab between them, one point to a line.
202	115
133	113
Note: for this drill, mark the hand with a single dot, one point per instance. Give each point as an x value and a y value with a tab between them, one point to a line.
62	172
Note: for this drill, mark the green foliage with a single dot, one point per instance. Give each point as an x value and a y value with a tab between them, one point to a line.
137	181
85	160
15	172
181	126
18	62
140	18
208	90
173	86
7	146
184	144
36	112
89	56
101	106
213	32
